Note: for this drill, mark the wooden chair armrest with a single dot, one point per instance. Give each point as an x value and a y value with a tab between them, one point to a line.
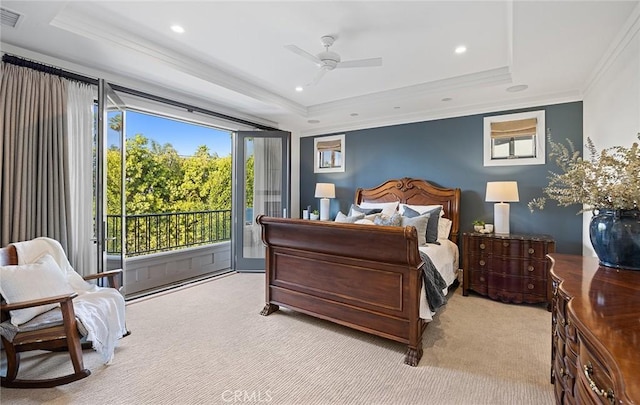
41	301
110	275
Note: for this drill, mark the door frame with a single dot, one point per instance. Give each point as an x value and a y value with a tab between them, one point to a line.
238	261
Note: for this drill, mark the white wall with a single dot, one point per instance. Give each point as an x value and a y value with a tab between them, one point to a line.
611	105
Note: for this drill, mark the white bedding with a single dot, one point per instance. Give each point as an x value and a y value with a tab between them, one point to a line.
445	258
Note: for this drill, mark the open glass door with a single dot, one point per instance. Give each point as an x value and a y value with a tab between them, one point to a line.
109	179
261	178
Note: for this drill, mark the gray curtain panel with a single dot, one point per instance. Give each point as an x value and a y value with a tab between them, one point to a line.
34	187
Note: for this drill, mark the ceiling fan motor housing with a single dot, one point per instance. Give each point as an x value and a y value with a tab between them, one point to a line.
329	59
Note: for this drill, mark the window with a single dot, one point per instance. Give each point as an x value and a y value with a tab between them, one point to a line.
329	154
514	139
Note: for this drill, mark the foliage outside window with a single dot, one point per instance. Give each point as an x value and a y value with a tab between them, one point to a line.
170	200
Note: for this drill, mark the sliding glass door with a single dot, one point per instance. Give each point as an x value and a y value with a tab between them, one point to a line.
260	187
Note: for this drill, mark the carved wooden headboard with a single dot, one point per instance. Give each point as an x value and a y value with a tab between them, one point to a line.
416	192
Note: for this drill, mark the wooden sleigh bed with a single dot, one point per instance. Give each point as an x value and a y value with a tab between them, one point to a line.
361	276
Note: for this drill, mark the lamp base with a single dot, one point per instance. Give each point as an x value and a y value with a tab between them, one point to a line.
324	209
501	218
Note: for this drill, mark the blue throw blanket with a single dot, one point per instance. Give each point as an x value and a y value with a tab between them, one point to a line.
433	283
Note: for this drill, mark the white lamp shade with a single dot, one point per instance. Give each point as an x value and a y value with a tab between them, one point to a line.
325	190
502	191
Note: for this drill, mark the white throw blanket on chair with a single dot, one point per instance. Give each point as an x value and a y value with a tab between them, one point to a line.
100	310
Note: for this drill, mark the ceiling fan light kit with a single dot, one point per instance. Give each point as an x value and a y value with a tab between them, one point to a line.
328	60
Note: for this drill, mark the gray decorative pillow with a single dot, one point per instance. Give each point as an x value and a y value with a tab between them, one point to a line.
394	220
420	223
432	224
355	210
348	220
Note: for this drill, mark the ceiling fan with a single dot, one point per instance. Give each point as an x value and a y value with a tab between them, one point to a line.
328	60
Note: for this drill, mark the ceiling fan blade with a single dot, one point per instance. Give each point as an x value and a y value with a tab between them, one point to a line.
304	54
360	63
319	75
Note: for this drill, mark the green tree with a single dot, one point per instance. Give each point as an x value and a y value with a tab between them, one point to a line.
152	175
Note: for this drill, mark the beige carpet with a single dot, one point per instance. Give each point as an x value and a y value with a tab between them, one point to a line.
207	344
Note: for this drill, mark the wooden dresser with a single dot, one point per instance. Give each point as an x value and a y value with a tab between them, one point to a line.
509	268
595	326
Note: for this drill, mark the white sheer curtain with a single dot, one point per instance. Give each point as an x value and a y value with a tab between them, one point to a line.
82	250
267	185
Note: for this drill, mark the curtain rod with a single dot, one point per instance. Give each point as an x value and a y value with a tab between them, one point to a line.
18	61
40	67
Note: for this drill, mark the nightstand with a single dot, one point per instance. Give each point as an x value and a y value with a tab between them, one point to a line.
507	267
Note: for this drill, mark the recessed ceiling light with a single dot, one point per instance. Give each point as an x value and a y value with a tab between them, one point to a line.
313	121
461	49
177	28
299	88
447	99
516	88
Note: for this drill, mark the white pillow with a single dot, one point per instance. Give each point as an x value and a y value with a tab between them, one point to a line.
388	209
420	223
421	209
364	222
349	220
41	279
444	228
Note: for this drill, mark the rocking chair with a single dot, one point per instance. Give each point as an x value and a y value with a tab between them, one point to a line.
41	333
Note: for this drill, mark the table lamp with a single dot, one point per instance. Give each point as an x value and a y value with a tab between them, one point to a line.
502	193
324	191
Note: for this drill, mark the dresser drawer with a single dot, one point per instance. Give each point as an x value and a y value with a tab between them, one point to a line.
535	268
478	281
506	283
477	262
507	247
535	287
507	266
478	245
593	376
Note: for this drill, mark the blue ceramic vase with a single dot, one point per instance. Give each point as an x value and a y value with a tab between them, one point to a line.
615	236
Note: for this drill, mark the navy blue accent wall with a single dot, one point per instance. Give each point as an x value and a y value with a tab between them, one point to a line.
449	153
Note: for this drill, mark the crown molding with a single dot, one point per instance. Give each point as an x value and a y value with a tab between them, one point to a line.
134	83
484	78
462	111
629	30
81	21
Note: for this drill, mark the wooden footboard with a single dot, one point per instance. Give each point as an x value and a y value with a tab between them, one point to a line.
361	276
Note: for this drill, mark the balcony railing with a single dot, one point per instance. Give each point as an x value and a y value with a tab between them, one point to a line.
151	233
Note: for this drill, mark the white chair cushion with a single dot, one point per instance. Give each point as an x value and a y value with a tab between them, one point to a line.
24	282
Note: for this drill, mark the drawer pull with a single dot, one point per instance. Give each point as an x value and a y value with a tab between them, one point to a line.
481	278
531	251
505	244
608	394
530	268
531	286
482	262
482	246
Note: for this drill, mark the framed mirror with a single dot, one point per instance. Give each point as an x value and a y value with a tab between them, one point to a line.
515	139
